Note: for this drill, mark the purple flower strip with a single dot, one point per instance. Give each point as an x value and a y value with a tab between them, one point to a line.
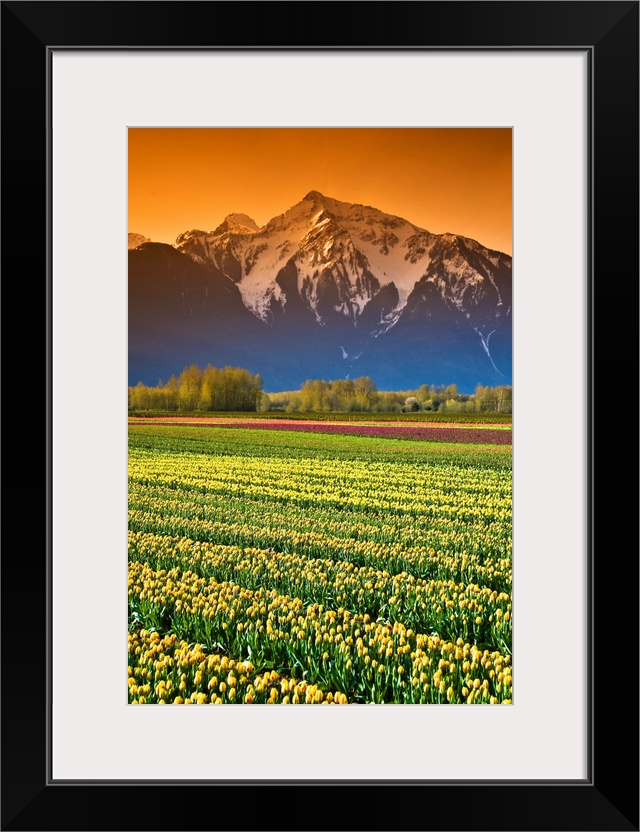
466	435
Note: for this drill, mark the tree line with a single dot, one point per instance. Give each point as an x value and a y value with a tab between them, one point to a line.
361	394
211	389
236	389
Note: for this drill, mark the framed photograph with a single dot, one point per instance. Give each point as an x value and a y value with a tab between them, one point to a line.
83	83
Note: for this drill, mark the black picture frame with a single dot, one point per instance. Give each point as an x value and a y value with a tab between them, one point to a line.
608	798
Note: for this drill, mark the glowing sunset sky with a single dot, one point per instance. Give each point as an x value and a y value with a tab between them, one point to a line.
441	179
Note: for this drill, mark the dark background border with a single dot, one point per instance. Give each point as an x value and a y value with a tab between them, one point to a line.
609	799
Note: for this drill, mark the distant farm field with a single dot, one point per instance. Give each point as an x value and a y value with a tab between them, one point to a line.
319	562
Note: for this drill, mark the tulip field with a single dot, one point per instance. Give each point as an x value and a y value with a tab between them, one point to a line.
273	563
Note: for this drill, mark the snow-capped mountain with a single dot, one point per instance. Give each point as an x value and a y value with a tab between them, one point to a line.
356	291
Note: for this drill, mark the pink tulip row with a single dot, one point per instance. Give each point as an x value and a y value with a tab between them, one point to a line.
435	434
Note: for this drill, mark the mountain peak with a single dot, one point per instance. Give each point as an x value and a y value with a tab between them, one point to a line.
237	224
136	240
313	196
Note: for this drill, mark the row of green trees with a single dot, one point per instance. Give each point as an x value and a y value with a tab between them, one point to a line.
226	388
361	394
235	389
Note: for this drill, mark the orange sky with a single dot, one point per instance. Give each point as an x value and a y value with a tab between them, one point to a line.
441	179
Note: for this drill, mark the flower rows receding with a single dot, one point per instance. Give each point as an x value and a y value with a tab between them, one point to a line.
395	476
368	491
420	561
370	661
490	436
443	607
232	518
161	438
164	670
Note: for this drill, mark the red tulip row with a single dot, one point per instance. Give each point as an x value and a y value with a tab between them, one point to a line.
486	436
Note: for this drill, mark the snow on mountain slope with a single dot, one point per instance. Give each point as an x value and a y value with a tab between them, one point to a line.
326	289
344	254
237	224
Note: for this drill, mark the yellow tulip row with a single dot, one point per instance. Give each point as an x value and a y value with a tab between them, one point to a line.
164	670
397	477
446	607
423	560
298	482
441	534
495	572
371	661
